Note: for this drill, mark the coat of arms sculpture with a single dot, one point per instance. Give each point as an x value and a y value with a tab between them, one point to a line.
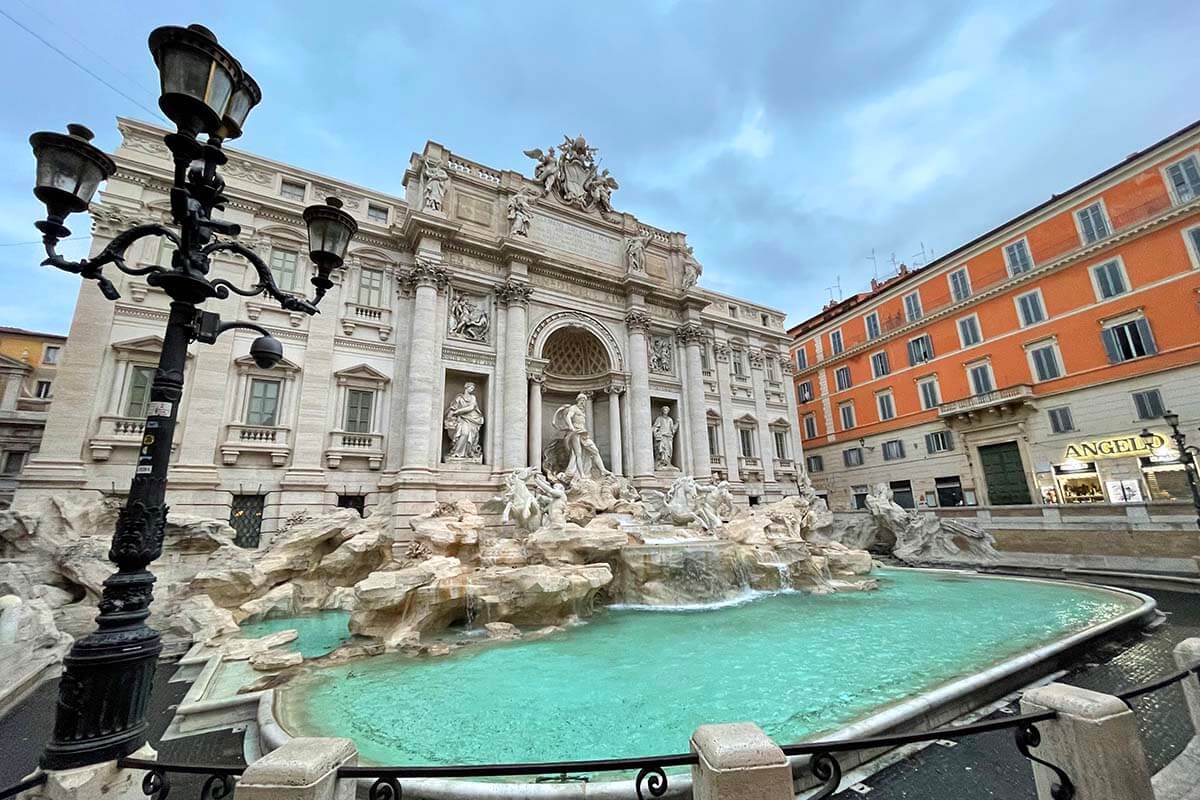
573	175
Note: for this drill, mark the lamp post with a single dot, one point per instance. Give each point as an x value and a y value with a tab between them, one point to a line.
1187	456
108	674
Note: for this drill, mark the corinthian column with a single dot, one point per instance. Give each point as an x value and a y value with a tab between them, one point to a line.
638	322
428	278
535	418
614	428
514	296
692	336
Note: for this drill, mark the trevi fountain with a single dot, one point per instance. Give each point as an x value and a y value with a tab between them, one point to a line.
537	626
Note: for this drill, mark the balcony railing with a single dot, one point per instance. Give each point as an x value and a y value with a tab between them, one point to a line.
115	432
997	397
274	440
357	314
350	444
936	295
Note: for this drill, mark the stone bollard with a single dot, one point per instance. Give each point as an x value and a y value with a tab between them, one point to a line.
1094	740
739	762
302	769
1187	656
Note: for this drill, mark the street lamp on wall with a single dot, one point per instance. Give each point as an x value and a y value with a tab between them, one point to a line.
108	675
1187	455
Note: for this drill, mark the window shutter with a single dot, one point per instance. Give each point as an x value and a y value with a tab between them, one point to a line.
948	438
930	446
1143	329
1109	337
912	353
1143	407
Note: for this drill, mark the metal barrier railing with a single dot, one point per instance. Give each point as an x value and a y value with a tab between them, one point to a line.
651	780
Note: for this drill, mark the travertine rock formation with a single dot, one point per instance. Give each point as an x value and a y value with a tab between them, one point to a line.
923	538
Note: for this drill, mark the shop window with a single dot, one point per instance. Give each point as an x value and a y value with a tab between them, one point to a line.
842	377
893	450
880	365
1109	280
1045	362
804	393
872	323
1061	420
960	284
981	378
902	494
377	213
1184	177
1126	341
370	288
968	331
939	442
886	406
1149	404
810	426
283	269
1093	225
912	307
920	350
859	495
852	457
815	463
358	502
835	342
1030	308
847	412
1016	255
1078	482
931	395
949	491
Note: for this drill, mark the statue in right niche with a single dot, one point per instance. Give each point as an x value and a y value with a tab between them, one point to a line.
664	430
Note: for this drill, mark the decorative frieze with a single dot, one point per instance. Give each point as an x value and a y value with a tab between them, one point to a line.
463	356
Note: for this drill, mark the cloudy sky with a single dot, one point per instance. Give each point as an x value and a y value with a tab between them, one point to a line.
788	139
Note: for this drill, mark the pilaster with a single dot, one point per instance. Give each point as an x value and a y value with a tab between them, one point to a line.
766	447
692	336
513	296
637	321
728	430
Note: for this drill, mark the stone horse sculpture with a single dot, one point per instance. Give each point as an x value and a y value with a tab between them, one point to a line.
517	503
678	506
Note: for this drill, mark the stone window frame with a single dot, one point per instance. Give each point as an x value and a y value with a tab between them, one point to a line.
362	377
746	427
284	180
1010	264
387	213
926	380
1164	169
849	404
127	354
880	396
1122	273
810	431
781	428
285	372
1050	342
1105	217
1041	299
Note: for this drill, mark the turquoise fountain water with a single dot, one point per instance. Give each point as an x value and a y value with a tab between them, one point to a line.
636	682
316	634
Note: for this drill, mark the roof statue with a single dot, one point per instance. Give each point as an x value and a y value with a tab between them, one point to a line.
573	175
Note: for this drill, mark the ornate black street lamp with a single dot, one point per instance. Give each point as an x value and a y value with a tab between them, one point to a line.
107	675
1187	456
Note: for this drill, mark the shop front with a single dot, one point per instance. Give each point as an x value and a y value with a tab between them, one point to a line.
1119	469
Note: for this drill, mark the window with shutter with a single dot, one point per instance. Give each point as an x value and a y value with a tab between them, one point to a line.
1128	340
1016	255
893	450
1045	362
810	426
1030	307
880	365
815	463
263	408
370	288
358	410
842	376
138	398
939	442
1184	177
930	396
981	379
835	342
283	269
780	438
968	331
912	306
852	457
802	358
1149	404
1061	420
847	412
1109	279
887	408
920	350
1092	223
872	323
804	392
1194	235
960	284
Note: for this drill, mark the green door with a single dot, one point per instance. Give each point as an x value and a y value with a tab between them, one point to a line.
1004	474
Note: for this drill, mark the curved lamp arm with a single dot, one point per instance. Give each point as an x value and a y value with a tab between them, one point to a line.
266	281
113	253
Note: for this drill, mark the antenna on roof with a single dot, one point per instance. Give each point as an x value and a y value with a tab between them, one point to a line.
922	258
874	264
837	285
893	259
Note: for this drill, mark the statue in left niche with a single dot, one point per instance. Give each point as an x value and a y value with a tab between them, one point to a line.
434	182
463	422
469	319
520	213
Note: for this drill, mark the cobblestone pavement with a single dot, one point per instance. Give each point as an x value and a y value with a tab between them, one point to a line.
985	766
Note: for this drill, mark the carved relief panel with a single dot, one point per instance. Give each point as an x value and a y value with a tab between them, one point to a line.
469	317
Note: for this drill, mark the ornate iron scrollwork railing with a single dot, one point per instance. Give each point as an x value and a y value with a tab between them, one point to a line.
651	779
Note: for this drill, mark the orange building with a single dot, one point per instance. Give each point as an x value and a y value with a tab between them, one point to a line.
1021	367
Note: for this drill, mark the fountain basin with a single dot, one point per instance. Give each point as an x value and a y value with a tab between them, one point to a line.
925	648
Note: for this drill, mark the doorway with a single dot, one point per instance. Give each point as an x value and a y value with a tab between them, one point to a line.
1004	474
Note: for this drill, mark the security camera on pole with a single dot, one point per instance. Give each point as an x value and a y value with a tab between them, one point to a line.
107	676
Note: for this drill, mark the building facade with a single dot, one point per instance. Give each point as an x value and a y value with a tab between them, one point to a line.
1022	367
531	291
28	366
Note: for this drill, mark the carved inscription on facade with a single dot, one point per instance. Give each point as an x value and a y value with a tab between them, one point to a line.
577	239
475	209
